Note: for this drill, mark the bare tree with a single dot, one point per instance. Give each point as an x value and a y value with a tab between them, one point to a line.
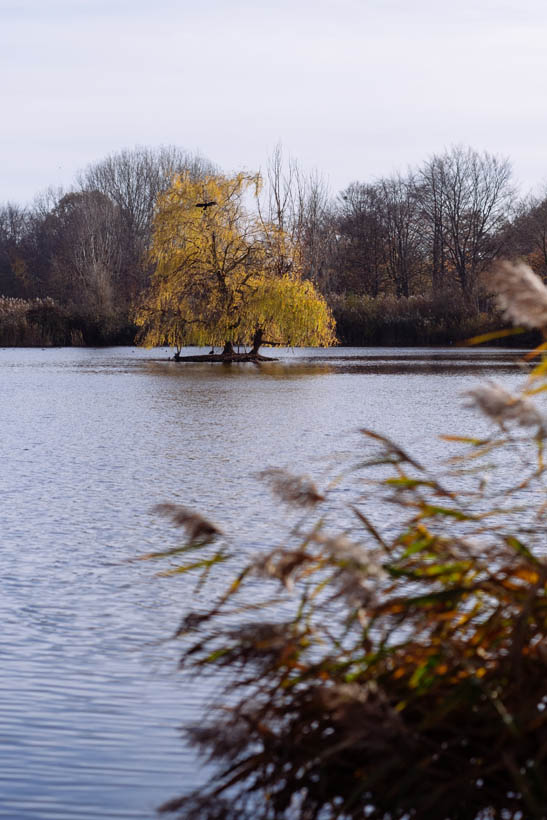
87	256
132	180
527	234
14	274
431	196
362	238
402	231
294	210
316	228
278	209
466	200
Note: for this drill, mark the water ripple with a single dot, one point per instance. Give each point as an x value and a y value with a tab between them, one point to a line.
90	700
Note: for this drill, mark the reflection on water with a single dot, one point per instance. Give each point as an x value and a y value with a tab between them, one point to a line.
388	361
242	370
91	440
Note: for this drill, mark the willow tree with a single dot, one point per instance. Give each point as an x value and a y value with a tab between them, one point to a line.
217	276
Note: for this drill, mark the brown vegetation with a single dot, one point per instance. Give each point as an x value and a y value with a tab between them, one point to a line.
35	323
406	675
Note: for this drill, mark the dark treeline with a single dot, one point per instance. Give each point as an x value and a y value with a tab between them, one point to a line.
85	251
400	259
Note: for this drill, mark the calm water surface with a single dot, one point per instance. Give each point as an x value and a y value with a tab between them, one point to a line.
91	440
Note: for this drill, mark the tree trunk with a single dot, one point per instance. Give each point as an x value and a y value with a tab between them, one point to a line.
228	354
257	341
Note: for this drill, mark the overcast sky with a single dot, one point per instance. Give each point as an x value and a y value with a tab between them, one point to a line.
354	88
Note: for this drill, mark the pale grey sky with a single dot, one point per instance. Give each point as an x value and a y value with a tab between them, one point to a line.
354	88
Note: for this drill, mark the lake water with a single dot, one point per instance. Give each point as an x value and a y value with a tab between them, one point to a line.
91	700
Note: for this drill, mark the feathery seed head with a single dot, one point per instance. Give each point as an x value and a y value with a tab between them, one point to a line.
520	293
501	406
296	490
195	524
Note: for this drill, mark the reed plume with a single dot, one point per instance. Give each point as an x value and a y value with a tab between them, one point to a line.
520	294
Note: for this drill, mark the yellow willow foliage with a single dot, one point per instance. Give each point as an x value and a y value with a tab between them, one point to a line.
289	311
221	273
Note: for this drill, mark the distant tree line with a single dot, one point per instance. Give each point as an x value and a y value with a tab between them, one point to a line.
87	248
399	259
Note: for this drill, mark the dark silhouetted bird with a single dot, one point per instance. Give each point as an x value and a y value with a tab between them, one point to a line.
204	205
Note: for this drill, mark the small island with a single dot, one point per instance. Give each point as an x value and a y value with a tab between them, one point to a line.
227	356
225	275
